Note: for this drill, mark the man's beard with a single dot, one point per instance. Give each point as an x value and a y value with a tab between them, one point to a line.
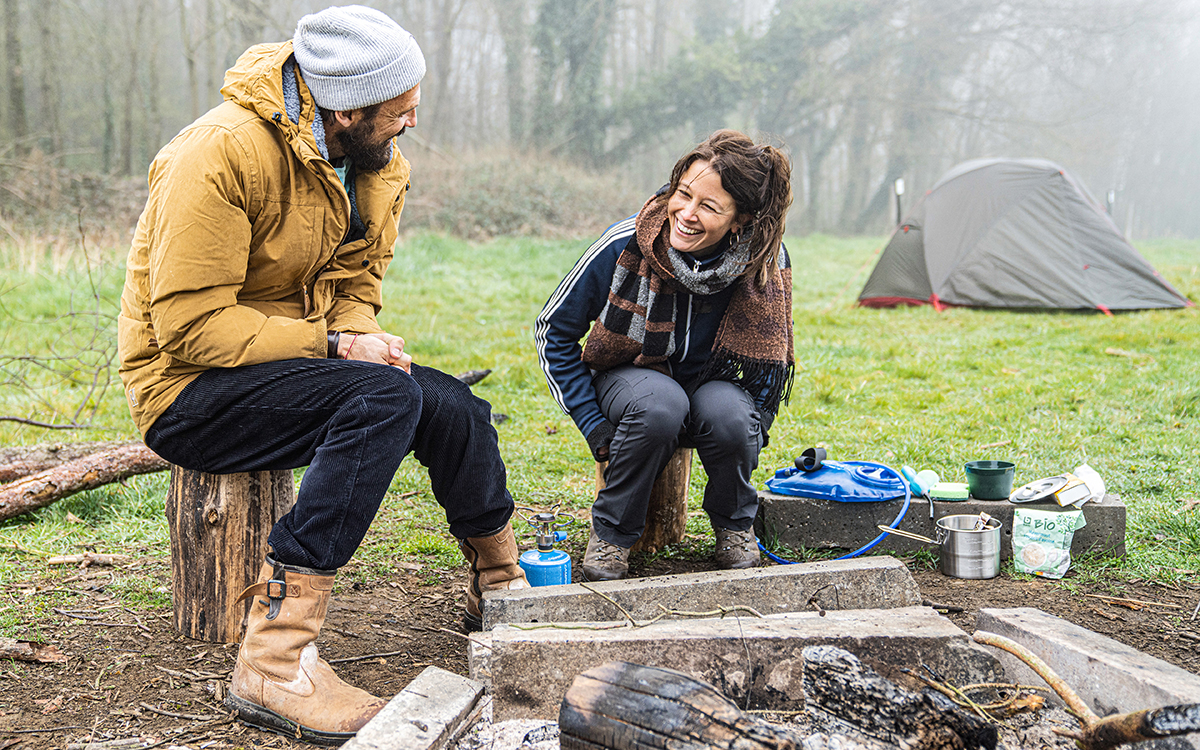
356	145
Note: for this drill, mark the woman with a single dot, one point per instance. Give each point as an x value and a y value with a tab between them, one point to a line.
689	310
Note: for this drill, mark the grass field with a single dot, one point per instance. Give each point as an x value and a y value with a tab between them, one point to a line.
908	386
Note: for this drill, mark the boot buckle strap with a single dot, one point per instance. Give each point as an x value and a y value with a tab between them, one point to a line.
280	591
276	589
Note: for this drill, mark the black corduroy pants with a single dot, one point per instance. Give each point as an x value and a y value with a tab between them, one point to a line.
351	423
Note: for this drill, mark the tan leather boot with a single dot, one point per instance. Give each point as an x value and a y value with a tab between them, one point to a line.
279	682
494	566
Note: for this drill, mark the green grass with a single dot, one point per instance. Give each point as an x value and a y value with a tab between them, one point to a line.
906	386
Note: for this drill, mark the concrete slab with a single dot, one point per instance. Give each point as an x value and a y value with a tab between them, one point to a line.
531	669
861	583
818	524
1110	676
423	716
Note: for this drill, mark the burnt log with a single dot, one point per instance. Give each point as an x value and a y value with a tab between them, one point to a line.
666	515
219	525
623	706
86	473
626	706
845	696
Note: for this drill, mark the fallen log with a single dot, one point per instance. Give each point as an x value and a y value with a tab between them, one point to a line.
86	473
23	460
623	706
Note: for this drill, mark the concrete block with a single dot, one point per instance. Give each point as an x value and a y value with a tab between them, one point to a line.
1108	675
423	716
531	666
861	583
818	524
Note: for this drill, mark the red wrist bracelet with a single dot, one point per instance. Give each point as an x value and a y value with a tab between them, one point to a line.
349	348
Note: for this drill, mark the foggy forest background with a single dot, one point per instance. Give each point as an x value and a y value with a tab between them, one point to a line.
605	92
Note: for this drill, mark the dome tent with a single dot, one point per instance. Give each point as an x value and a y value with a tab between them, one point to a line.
1013	233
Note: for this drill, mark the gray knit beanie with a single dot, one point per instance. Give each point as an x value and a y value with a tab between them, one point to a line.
354	56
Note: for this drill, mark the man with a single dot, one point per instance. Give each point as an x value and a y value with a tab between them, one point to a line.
248	341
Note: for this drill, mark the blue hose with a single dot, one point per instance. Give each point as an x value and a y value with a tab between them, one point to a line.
894	524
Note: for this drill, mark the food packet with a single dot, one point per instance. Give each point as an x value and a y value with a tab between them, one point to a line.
1042	540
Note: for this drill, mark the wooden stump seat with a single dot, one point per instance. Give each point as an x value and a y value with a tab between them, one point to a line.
219	525
666	517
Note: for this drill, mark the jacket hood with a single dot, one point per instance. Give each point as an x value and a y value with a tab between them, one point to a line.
257	82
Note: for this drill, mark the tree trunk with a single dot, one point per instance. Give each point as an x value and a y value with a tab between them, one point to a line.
219	525
131	88
666	516
46	12
18	122
510	17
87	473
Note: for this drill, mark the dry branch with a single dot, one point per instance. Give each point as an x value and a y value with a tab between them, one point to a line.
89	558
1111	731
89	472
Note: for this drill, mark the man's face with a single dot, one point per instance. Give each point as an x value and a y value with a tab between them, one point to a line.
367	141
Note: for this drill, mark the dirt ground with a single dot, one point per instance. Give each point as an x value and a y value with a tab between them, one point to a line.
129	675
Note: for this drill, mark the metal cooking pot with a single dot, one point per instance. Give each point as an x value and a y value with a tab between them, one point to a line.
969	548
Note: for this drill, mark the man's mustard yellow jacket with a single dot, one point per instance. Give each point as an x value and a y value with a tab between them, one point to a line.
238	257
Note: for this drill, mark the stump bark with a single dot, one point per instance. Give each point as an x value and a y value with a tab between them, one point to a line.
219	525
666	516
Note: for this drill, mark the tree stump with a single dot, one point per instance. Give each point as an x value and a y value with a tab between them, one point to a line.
219	525
666	517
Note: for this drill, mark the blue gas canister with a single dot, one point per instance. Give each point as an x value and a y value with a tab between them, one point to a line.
546	566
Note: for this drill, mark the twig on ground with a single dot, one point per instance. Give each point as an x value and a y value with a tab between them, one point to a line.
89	558
173	715
465	636
1122	600
364	657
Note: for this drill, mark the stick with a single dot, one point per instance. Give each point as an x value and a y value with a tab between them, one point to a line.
364	658
481	644
1117	599
160	712
89	558
1073	701
611	601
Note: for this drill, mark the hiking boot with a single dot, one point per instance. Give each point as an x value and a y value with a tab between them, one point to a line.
736	549
604	561
279	682
493	560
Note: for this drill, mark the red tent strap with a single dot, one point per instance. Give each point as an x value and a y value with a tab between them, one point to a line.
1104	310
937	303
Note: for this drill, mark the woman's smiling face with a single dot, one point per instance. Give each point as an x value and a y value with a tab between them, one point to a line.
700	212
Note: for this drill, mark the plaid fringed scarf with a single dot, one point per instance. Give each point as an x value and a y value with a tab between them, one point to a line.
753	347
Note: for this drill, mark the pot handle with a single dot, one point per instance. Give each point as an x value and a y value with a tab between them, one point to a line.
906	534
